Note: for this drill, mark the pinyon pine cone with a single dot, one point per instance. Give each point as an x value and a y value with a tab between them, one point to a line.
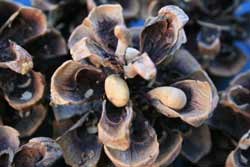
213	31
133	102
25	43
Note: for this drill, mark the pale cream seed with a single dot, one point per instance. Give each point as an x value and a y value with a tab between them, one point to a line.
170	96
116	90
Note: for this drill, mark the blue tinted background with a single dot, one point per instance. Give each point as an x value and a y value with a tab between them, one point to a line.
25	2
243	9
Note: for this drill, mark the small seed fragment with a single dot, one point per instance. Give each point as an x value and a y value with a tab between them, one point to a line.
116	90
170	96
88	93
26	96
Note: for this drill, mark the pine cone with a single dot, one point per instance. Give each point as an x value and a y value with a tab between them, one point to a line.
131	98
240	156
213	33
25	43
